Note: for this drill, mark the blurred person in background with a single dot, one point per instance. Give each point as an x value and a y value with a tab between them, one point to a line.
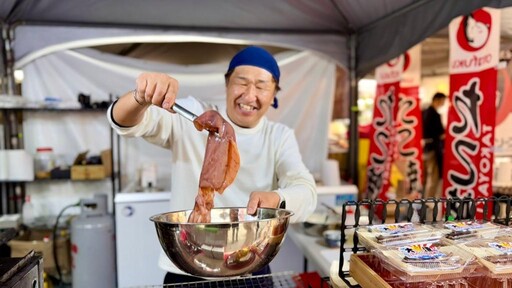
433	137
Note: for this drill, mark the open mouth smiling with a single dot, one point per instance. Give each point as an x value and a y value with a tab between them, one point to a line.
245	107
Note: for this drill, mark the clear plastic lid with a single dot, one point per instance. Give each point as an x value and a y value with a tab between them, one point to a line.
495	253
462	231
376	236
421	260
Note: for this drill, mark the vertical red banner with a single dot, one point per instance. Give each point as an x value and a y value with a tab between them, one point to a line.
382	132
474	56
409	121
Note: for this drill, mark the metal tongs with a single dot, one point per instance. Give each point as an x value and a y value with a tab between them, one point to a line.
184	112
189	115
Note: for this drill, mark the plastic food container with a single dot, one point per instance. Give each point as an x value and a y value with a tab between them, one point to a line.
369	271
44	162
422	261
495	254
463	231
380	236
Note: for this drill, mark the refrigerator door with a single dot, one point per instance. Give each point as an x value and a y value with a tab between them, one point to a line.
137	244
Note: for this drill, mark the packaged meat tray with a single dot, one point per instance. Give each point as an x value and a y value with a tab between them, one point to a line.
495	254
379	236
368	271
462	231
428	260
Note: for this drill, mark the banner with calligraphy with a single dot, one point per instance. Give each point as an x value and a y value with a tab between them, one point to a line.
474	56
382	131
503	133
409	121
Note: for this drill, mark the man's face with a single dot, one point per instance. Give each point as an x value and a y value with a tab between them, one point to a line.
250	91
439	103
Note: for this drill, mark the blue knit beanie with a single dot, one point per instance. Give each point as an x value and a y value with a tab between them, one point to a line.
258	57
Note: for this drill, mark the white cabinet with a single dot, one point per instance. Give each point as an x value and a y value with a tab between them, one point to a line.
137	244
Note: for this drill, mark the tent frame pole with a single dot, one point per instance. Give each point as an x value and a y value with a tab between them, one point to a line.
8	60
353	154
12	194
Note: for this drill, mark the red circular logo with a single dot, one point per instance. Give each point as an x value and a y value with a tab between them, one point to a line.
407	60
393	62
474	30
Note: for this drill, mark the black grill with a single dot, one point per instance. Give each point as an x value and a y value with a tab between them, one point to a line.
278	280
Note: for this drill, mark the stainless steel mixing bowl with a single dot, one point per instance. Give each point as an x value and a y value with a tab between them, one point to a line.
232	244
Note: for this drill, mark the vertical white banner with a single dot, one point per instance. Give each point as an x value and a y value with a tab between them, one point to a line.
382	131
474	56
409	122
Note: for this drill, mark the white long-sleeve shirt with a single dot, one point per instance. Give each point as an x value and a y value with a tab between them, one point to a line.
269	161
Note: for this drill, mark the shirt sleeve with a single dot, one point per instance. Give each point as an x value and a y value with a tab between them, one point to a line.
156	126
295	182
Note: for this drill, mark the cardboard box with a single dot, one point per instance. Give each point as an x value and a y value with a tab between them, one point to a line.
106	160
39	241
88	172
79	171
95	172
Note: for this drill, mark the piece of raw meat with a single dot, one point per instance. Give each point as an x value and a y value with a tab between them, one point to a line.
220	166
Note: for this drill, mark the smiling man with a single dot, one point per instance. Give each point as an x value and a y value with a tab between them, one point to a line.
271	169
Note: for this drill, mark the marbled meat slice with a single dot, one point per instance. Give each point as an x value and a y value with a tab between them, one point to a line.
220	166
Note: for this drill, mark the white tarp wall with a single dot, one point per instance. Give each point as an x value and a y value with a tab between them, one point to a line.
32	42
305	104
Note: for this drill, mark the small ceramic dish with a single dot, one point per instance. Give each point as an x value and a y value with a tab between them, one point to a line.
332	238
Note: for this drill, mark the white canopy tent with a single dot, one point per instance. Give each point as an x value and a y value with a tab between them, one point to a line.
357	35
382	29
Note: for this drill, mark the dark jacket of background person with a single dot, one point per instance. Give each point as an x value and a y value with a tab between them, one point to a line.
433	130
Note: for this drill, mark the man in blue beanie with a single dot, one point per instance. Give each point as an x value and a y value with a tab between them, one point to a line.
257	57
271	169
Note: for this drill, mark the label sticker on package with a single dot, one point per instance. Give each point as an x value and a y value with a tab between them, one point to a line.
502	247
421	252
394	228
463	226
